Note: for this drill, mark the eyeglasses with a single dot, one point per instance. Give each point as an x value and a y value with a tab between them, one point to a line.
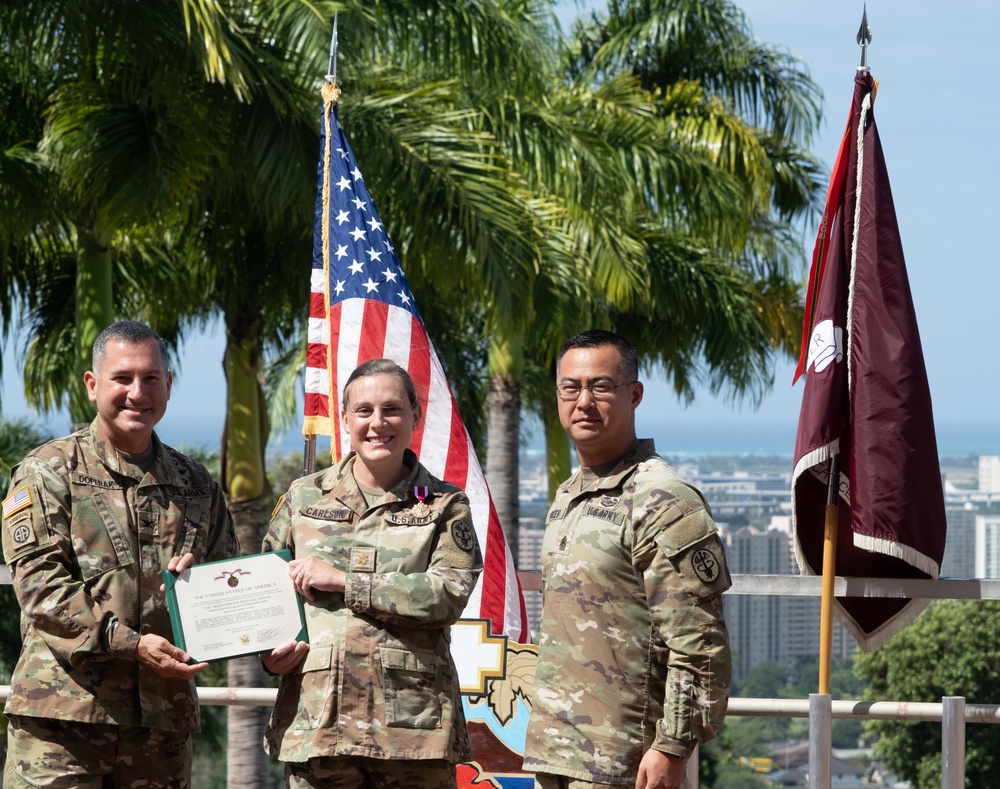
599	390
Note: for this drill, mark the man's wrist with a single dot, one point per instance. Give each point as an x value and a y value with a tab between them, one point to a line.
679	749
124	642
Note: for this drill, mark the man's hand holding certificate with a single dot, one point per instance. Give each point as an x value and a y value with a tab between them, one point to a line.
222	610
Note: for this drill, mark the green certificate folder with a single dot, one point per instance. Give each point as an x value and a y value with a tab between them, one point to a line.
234	607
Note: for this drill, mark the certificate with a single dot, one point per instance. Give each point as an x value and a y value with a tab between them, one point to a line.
235	607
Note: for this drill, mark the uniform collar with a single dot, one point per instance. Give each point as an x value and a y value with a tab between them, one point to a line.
339	481
163	469
644	449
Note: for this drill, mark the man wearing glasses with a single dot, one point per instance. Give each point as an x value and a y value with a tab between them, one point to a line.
633	663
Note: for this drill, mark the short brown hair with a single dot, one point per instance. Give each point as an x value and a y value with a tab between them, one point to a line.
383	367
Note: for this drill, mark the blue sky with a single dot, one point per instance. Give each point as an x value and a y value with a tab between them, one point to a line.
938	113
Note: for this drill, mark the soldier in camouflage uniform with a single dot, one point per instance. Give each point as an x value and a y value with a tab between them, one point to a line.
386	557
99	696
633	663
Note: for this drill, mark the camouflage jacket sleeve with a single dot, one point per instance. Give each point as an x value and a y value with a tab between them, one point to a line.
54	602
678	549
434	596
277	530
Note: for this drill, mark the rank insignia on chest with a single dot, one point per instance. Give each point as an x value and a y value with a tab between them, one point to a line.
362	560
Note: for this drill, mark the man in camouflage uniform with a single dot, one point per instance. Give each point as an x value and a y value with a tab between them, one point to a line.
633	663
99	696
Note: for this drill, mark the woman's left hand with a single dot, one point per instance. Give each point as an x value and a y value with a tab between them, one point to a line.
283	659
312	574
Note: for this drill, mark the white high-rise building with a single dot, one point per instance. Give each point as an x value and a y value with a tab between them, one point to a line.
960	548
989	473
772	628
529	559
987	546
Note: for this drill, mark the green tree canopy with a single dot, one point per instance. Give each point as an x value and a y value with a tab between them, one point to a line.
953	649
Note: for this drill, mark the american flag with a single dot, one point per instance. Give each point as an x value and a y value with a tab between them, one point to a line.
16	501
361	308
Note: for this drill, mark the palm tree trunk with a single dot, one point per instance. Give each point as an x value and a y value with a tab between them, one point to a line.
246	416
94	312
247	765
557	450
502	456
250	501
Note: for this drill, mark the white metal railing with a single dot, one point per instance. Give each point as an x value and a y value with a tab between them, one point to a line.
952	711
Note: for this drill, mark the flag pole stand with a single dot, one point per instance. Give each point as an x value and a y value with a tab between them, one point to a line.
820	704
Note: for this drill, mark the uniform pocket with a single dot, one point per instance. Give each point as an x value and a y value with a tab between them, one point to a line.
99	537
412	696
307	696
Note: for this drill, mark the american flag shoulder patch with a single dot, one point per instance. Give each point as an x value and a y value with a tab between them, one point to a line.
17	501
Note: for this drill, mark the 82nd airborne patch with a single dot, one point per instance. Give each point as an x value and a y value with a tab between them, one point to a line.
20	531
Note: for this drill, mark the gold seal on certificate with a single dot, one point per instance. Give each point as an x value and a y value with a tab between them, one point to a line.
222	610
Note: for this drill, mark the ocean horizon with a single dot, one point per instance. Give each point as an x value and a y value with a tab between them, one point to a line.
681	438
677	435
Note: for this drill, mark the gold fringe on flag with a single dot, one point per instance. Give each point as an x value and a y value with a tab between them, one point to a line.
318	425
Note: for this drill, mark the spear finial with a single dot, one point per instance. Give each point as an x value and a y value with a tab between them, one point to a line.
864	39
331	72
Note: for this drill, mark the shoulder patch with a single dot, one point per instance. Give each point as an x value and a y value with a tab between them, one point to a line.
277	504
25	528
17	501
464	537
706	563
700	565
21	534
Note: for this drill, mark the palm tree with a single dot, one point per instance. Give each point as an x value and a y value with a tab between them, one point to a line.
701	173
119	151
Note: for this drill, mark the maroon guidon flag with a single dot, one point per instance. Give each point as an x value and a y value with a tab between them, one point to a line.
866	395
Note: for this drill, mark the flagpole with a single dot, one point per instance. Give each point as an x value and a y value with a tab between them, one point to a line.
829	574
864	38
309	448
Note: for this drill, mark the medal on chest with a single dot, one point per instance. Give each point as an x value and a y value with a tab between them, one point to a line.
420	509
